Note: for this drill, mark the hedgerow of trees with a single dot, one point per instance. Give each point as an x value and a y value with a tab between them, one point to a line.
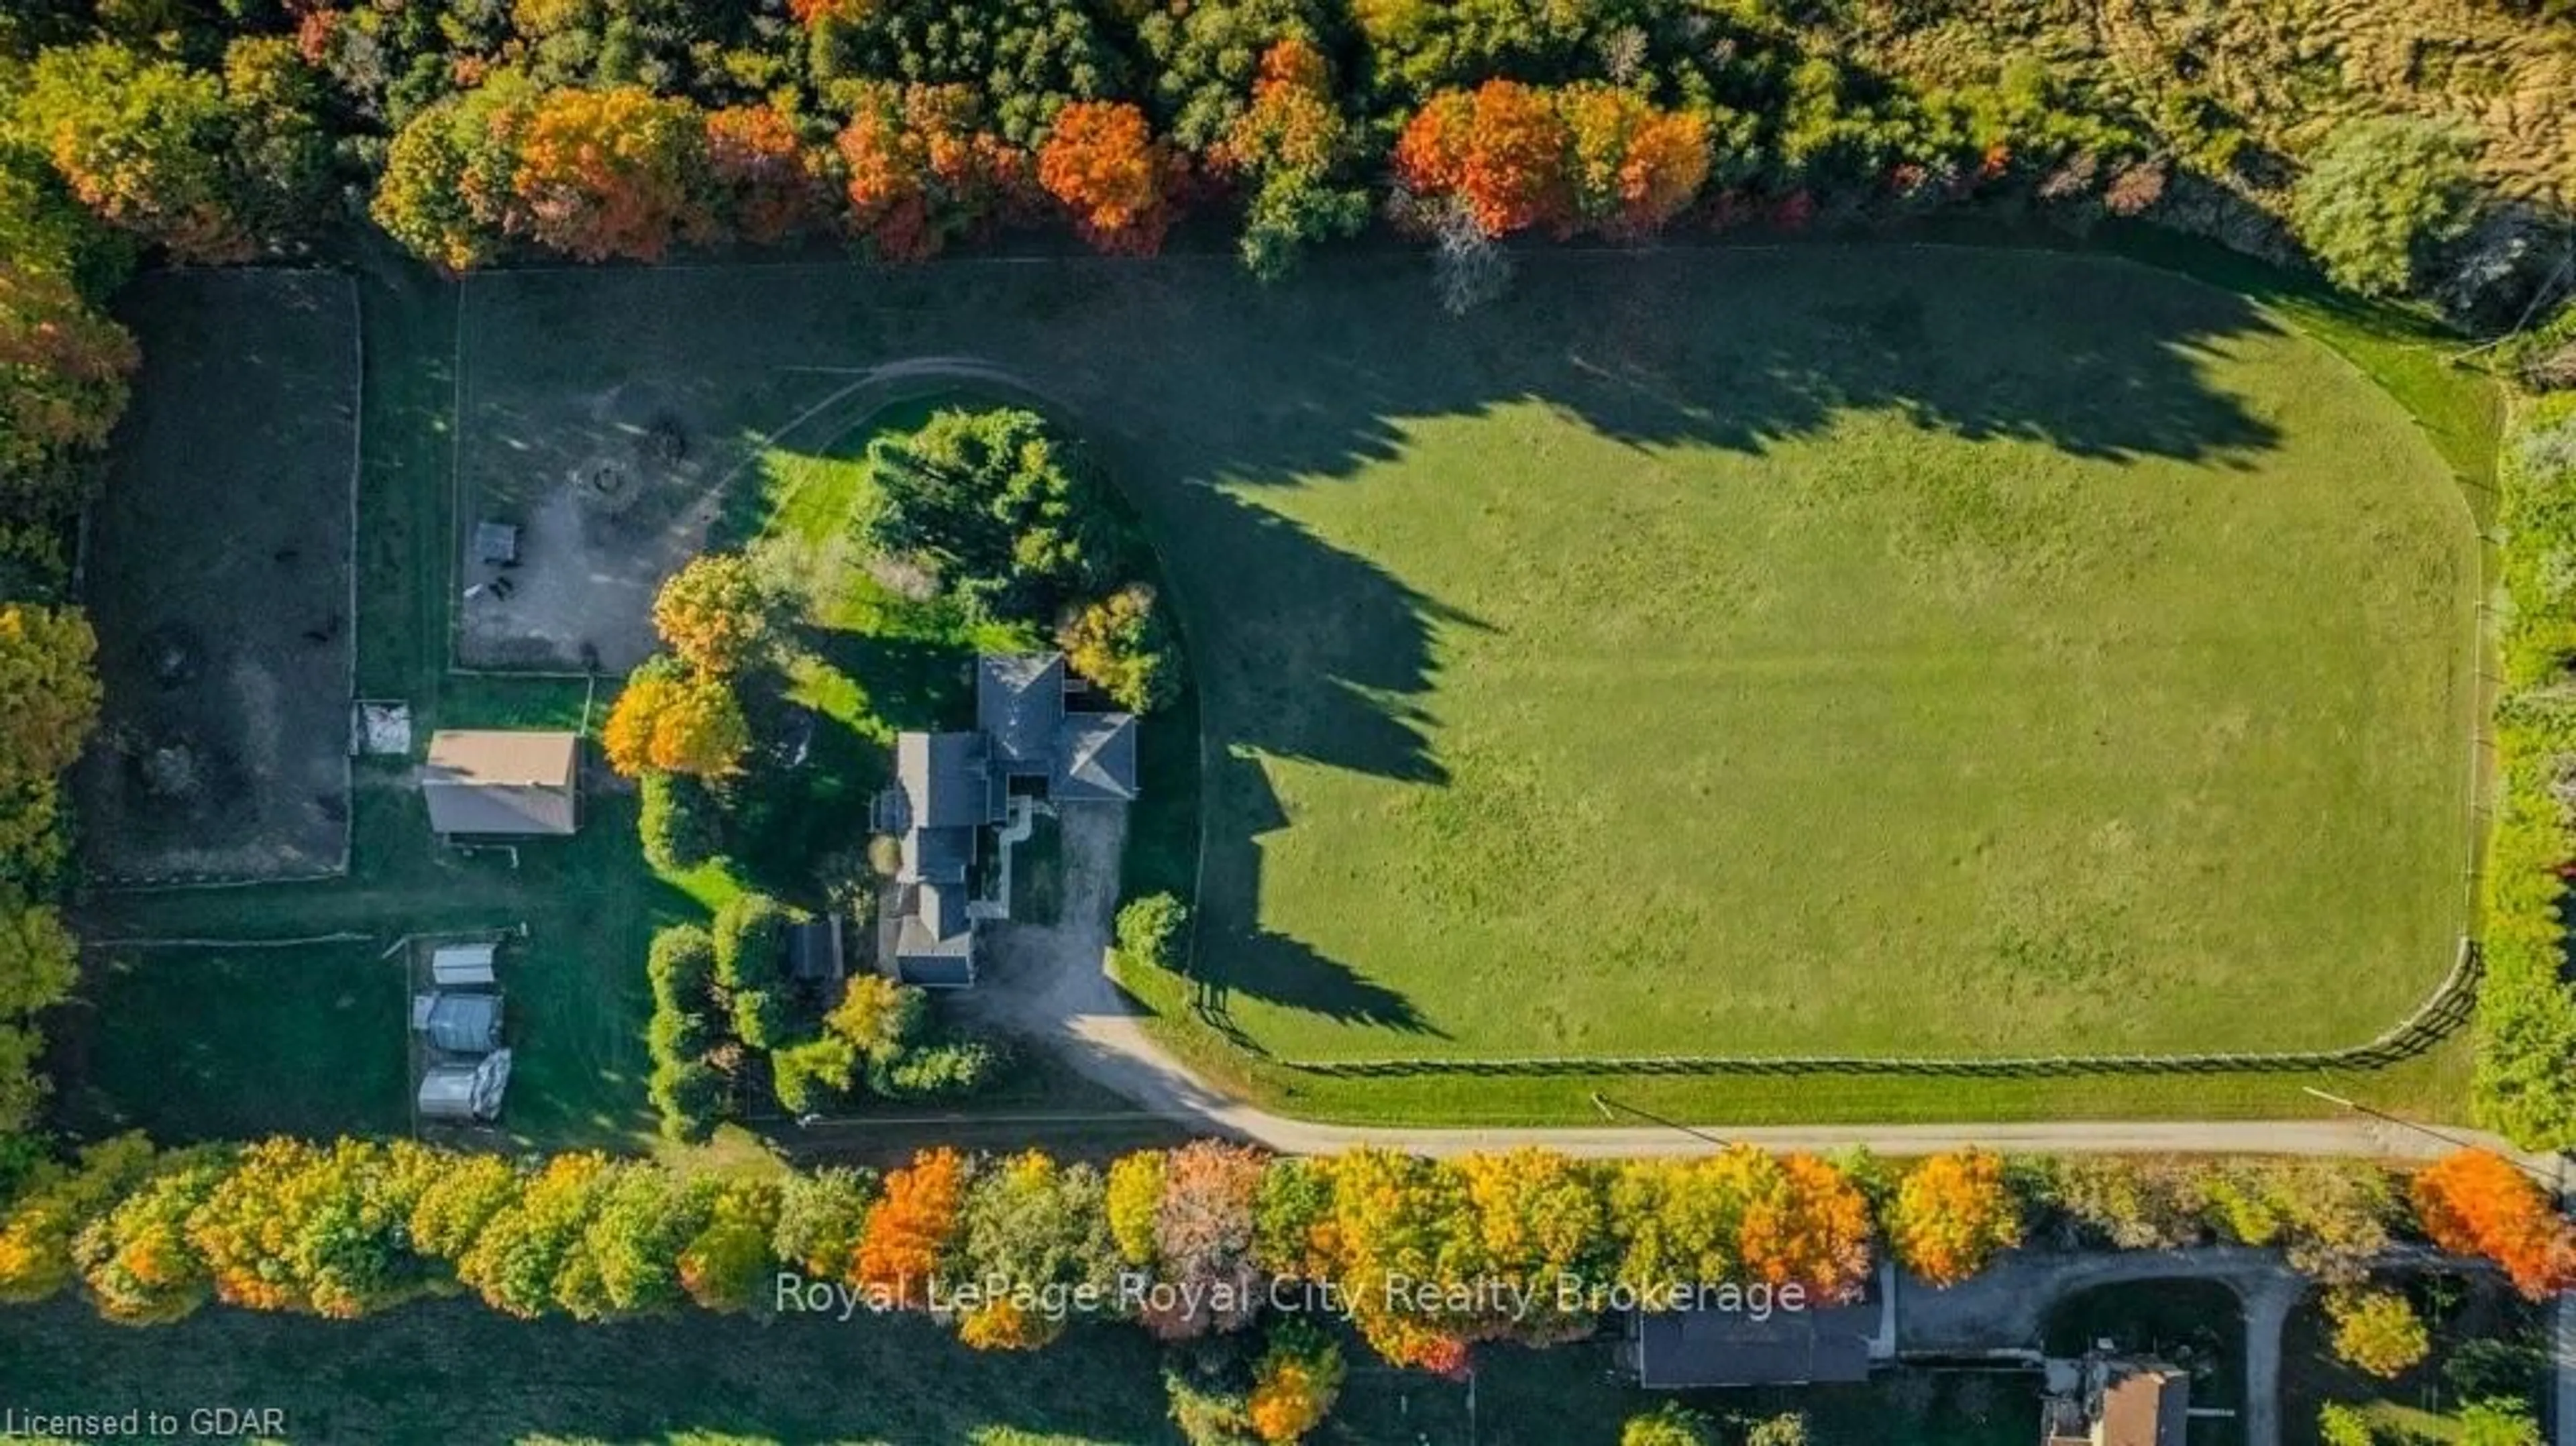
2526	1013
1200	1234
63	373
474	133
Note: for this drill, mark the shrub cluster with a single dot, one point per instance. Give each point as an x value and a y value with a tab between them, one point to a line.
1148	929
722	1010
2525	1083
1018	525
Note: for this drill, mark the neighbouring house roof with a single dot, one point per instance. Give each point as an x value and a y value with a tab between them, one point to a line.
502	782
1095	758
814	949
2150	1406
458	1023
1689	1349
1019	700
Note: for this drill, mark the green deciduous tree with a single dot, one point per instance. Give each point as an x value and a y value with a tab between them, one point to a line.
49	698
1149	931
2377	1331
519	1258
2378	196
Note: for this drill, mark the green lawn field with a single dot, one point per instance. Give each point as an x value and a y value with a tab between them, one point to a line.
1836	650
1866	651
2081	730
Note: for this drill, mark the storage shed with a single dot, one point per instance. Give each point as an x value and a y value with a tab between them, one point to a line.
453	966
465	1091
458	1023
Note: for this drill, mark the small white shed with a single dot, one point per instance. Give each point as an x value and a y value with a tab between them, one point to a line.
461	965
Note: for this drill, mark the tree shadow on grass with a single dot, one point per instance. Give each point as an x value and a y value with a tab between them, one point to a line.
908	682
1203	390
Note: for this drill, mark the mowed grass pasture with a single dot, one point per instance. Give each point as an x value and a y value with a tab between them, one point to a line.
1834	650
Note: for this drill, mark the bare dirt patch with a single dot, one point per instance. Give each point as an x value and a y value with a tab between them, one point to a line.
218	575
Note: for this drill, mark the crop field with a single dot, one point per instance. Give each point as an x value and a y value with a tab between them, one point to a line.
1703	654
220	583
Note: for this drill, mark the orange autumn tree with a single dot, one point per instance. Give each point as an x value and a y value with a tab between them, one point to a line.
1399	1218
1633	167
1102	162
1583	157
2477	1203
922	172
611	173
64	366
1295	1382
817	12
910	1227
1806	1223
1294	150
1952	1213
762	172
1499	149
714	613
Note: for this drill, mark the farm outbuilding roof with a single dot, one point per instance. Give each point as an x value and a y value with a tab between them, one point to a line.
502	782
458	1023
1692	1349
465	1091
455	964
496	542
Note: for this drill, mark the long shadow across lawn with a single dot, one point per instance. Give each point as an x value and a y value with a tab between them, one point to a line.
1206	389
1329	659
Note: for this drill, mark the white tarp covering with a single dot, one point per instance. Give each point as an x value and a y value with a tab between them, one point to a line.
465	1092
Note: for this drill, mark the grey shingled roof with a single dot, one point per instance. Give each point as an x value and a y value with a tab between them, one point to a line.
1095	758
935	943
936	855
943	779
1694	1348
1019	700
499	782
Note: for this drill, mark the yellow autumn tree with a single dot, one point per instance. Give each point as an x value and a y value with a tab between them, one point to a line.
676	722
1952	1213
712	613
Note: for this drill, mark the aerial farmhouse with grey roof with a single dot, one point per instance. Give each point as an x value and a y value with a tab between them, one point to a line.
953	790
